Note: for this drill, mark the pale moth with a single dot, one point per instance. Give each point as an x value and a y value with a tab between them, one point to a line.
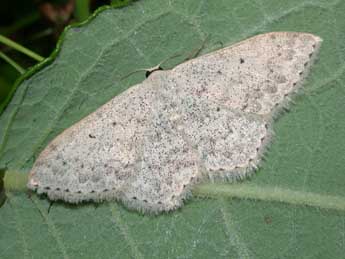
206	119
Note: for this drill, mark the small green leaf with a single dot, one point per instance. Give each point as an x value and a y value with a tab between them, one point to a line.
293	207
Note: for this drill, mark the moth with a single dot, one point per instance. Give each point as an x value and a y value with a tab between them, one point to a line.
209	118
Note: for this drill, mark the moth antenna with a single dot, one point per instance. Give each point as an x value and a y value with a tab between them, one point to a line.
167	59
151	69
194	53
133	72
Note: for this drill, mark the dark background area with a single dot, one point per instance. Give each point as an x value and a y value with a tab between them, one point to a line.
37	25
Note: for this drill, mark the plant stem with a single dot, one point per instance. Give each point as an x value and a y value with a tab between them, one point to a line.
82	9
20	48
266	193
12	63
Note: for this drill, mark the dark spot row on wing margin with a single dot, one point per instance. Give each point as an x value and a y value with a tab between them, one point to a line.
106	190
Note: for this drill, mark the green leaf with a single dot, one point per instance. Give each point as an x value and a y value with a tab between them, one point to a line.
293	207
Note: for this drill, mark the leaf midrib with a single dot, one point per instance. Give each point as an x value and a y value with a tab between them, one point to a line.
271	194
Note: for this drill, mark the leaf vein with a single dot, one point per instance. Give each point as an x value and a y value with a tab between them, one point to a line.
125	232
19	228
233	235
51	228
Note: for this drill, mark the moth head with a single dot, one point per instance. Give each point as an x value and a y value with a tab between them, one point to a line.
33	183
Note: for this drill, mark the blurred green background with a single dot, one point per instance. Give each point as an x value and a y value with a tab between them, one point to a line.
37	25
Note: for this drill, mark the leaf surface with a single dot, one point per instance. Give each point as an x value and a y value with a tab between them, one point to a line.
293	207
